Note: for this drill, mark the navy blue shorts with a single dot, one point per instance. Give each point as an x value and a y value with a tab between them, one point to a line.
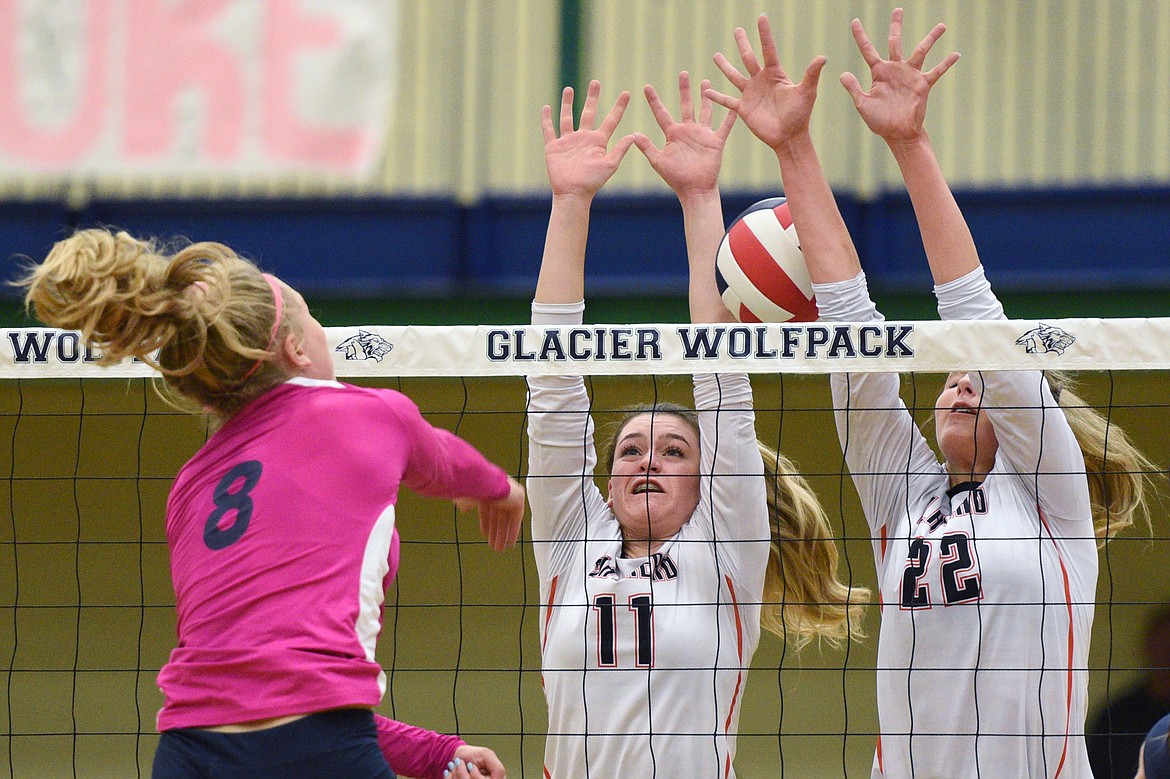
1156	757
342	743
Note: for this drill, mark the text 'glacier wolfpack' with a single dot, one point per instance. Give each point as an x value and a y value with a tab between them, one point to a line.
702	342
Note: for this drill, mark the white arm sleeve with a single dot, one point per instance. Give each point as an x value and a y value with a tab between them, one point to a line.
561	492
1035	440
733	500
884	450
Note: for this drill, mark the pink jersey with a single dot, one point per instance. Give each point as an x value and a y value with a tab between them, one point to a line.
282	541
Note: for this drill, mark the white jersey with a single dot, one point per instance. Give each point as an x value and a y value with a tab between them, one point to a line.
987	589
644	660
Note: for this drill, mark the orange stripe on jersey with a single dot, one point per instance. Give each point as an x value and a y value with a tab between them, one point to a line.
739	678
547	775
881	608
552	596
1071	641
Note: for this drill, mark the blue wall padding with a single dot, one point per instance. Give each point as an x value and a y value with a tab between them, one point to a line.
384	247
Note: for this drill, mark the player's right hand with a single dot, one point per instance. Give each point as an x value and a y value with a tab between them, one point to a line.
499	520
579	161
478	761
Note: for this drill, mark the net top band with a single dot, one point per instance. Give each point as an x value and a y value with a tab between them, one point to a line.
620	350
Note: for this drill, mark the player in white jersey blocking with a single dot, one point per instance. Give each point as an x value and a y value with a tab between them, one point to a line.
652	596
987	562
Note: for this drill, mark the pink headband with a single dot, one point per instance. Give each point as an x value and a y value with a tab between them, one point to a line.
278	301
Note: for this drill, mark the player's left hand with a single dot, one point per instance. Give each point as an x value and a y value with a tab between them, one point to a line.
690	159
475	761
894	108
499	520
579	161
773	106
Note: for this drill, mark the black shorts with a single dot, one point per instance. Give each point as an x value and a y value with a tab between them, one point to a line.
342	743
1157	750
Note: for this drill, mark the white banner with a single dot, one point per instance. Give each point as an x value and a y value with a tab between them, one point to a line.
507	350
195	87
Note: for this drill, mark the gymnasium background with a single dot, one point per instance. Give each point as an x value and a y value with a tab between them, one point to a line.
385	158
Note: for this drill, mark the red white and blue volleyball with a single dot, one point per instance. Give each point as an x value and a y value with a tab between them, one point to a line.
760	269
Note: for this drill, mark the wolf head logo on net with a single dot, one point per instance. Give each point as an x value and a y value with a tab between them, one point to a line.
365	346
1046	338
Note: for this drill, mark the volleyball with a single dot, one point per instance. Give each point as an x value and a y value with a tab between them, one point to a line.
760	269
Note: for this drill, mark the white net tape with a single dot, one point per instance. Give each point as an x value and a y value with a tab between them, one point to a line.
622	350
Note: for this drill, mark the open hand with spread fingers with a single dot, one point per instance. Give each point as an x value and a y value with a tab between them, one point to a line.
774	108
692	154
895	105
579	160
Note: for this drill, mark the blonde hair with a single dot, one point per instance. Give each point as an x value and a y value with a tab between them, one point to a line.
803	598
1117	471
203	316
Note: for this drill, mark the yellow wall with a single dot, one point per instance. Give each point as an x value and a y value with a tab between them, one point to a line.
1048	93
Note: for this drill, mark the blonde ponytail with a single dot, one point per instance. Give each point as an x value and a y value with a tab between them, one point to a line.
201	317
803	598
1118	472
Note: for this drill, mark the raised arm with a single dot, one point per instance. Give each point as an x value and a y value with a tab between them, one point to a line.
778	111
895	109
733	509
561	456
579	162
689	163
878	436
1032	439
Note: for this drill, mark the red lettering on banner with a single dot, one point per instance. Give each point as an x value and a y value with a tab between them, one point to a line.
170	49
288	33
55	145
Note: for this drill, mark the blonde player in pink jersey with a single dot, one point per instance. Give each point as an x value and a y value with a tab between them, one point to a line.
653	595
281	528
987	562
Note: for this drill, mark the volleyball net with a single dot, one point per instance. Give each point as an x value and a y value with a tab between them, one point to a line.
87	455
